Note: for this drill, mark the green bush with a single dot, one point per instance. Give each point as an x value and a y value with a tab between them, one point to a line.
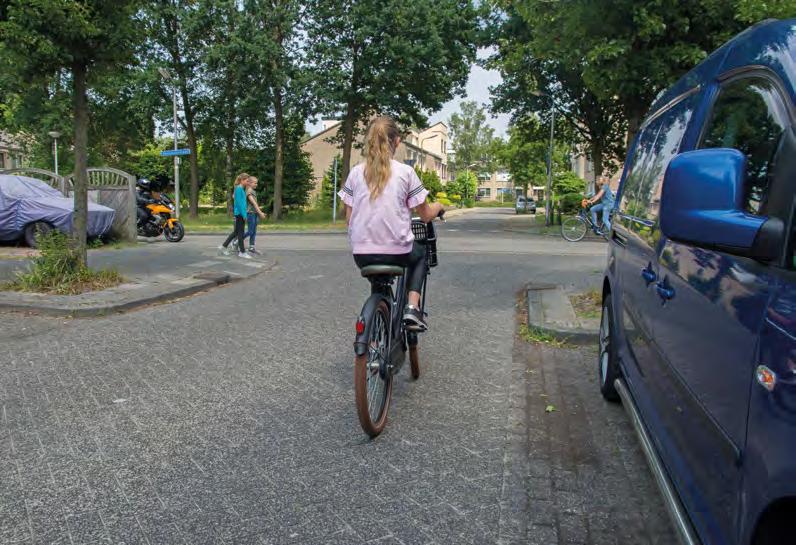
58	269
570	203
469	202
444	201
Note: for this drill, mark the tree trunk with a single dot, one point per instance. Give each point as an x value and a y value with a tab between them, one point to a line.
229	146
348	140
633	124
190	132
597	162
279	156
80	181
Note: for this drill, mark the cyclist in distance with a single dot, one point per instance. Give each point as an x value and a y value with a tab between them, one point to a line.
606	198
379	196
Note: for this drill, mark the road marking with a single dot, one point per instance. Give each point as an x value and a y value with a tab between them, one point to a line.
250	264
208	263
233	273
316	276
452	230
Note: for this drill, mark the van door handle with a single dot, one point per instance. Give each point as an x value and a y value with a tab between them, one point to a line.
619	239
648	275
665	292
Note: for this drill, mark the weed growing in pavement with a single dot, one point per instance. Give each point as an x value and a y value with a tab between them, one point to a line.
58	270
536	335
588	304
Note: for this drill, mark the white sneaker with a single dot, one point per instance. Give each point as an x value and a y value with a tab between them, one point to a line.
244	255
222	250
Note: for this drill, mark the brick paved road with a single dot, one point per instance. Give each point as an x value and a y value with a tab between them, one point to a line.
228	417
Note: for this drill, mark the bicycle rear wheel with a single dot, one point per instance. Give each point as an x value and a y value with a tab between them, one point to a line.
372	387
573	228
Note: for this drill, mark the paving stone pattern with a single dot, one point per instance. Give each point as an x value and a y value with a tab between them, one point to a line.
229	418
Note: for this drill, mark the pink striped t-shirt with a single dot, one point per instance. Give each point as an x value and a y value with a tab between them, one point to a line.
383	226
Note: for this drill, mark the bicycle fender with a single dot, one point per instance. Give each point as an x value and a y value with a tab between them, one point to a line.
369	308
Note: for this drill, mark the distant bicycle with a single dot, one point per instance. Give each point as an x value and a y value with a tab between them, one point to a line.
574	228
382	336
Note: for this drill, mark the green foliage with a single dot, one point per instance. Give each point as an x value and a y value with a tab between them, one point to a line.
471	138
328	194
525	155
400	58
430	180
147	162
464	186
59	269
566	181
569	203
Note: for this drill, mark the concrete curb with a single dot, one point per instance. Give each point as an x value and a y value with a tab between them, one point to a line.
76	306
536	319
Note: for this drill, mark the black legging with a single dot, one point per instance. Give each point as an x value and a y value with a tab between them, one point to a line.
240	223
414	261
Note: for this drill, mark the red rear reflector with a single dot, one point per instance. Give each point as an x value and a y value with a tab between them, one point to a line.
360	327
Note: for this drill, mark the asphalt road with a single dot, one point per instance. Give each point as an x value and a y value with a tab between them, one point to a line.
228	417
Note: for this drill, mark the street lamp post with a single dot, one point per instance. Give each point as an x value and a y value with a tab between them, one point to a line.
55	135
549	192
167	76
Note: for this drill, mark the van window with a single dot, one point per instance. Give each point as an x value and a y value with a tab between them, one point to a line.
749	116
658	144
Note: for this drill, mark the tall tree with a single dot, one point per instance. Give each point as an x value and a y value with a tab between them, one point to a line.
276	40
471	138
176	30
395	57
44	40
533	84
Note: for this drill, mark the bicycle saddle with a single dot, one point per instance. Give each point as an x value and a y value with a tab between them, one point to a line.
382	270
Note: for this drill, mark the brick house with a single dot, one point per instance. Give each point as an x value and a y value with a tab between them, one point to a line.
427	148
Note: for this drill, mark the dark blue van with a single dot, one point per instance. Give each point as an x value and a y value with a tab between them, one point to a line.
698	335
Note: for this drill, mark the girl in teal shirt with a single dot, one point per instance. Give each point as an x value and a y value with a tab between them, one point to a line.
239	208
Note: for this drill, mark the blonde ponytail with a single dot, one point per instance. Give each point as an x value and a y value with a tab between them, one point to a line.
379	149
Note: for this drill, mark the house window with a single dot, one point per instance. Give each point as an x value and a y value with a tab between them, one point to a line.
484	191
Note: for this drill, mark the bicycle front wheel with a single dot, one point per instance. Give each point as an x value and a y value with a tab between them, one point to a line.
573	228
372	379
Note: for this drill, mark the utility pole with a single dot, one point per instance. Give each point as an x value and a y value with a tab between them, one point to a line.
549	192
167	76
334	193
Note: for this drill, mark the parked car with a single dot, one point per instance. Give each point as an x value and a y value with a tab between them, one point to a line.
29	206
698	331
523	205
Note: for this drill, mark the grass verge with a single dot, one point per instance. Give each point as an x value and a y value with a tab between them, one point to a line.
217	221
587	305
535	335
58	271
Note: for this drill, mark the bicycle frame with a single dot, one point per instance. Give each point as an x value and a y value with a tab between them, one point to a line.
382	290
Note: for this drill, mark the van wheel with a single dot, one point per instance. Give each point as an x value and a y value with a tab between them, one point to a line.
34	230
607	361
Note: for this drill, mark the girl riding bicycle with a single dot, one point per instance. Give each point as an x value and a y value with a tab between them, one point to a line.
379	196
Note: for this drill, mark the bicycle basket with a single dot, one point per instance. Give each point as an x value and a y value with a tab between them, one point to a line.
424	234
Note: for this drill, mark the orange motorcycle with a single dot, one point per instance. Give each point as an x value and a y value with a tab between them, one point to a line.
161	220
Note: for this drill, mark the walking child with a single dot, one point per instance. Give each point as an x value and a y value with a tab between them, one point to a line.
253	213
239	209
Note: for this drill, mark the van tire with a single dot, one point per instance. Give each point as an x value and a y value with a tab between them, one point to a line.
607	361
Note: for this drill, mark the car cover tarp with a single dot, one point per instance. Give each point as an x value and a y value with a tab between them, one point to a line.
25	200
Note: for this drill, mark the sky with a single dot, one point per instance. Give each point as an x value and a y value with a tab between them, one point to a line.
477	89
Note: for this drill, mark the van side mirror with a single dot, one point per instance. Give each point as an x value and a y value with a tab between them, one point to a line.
702	205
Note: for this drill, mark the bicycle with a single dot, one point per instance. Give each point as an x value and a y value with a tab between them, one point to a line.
574	228
382	339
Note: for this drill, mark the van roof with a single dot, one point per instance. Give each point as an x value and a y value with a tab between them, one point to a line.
771	44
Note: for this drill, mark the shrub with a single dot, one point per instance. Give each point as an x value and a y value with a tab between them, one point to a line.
570	203
469	202
444	201
58	269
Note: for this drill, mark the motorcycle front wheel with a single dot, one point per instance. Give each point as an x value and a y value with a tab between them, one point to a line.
174	233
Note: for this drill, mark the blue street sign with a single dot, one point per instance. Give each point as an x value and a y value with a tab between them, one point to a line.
173	152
